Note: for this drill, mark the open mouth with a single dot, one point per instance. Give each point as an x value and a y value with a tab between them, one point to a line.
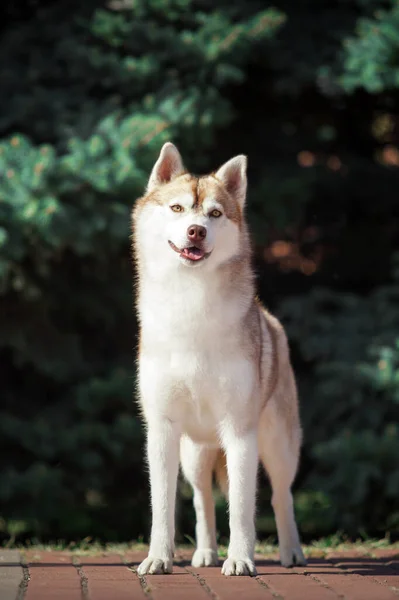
192	253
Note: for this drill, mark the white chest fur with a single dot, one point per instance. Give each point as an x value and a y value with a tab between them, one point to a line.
192	364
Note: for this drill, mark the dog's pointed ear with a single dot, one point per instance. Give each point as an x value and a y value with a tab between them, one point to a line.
168	166
233	175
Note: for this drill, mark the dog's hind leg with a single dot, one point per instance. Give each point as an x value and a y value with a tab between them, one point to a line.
197	463
279	452
221	474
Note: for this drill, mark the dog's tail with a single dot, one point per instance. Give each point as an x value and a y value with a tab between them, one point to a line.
221	473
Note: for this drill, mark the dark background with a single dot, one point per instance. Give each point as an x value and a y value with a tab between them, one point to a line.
89	93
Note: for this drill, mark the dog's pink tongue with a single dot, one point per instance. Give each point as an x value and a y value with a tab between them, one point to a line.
193	253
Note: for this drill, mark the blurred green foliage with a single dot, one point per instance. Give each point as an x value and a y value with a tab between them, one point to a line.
350	404
371	55
90	91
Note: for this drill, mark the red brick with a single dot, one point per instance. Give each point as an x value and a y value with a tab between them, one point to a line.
371	568
108	577
134	558
351	585
337	554
388	553
292	583
353	576
53	577
179	585
227	588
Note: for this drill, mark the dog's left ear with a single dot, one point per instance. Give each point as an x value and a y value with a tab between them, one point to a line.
168	166
233	175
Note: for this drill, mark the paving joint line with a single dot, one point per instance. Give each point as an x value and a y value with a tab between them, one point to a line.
323	584
349	570
84	585
23	586
385	584
203	583
143	582
332	563
268	588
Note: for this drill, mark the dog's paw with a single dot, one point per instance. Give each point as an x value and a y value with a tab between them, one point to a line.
232	566
290	557
155	566
204	558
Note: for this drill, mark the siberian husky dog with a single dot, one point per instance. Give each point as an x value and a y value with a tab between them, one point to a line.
216	386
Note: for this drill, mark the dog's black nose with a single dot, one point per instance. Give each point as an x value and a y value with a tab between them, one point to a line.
196	233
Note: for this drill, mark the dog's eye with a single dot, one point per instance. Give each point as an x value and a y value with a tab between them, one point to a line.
215	213
177	208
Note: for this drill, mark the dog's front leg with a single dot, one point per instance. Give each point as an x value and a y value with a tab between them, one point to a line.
242	465
163	439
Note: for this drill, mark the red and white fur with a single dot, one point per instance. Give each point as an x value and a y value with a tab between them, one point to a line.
216	385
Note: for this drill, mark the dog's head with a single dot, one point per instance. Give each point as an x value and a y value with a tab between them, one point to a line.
191	221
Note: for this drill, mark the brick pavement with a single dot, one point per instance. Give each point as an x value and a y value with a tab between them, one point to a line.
44	575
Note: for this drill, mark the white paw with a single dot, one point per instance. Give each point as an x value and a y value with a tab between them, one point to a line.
232	566
292	556
204	558
155	566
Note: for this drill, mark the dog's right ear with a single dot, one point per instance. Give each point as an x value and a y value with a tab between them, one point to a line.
168	166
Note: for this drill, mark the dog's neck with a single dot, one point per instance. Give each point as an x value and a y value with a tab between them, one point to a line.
195	300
